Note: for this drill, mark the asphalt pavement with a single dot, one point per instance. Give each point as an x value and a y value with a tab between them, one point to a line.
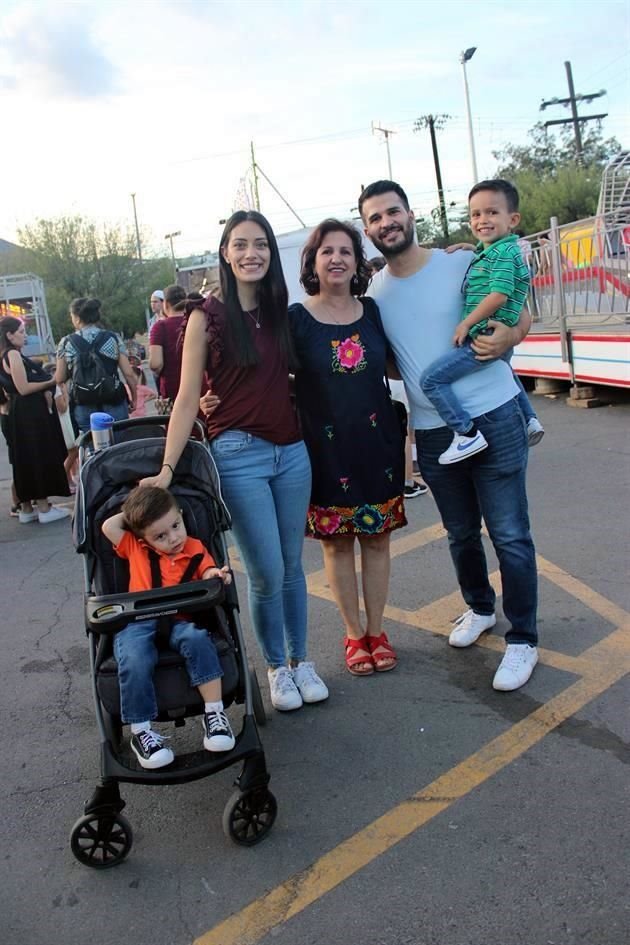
417	807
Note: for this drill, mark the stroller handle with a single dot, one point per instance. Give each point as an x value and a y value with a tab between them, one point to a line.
109	613
198	430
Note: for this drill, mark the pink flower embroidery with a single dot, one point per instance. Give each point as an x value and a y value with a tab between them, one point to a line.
373	419
326	522
344	483
349	353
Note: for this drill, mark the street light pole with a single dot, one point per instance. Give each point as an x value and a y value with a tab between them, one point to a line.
465	57
170	237
147	313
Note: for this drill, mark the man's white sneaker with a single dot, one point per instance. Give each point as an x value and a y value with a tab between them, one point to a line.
516	667
311	687
54	514
535	431
462	447
285	695
469	627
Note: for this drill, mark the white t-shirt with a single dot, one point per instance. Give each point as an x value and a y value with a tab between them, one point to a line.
420	314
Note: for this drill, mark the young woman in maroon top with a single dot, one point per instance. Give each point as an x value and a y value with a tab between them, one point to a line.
243	347
165	353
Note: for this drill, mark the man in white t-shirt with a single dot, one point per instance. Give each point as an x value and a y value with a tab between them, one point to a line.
420	299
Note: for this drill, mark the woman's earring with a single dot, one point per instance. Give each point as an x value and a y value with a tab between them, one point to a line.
354	284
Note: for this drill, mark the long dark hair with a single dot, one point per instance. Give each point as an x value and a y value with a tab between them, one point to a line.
8	325
271	295
308	277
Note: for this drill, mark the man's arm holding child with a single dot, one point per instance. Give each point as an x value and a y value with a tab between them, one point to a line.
486	308
491	347
114	528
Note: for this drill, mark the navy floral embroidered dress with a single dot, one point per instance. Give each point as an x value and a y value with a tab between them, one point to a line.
349	425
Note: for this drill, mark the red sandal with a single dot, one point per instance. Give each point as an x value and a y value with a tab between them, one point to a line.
386	659
357	652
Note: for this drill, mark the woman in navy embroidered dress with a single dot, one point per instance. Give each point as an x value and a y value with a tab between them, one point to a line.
352	434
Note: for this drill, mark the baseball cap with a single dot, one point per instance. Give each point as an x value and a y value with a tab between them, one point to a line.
158	294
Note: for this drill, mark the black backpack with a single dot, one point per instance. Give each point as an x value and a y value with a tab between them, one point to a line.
93	384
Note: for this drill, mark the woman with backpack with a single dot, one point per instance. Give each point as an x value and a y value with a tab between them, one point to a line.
91	357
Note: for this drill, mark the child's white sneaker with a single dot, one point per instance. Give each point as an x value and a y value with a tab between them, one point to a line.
535	431
217	732
462	447
148	747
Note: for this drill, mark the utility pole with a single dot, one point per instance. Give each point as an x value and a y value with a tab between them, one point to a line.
147	314
255	173
171	237
465	56
386	132
575	119
432	122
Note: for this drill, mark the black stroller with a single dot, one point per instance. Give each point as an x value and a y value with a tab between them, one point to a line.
103	837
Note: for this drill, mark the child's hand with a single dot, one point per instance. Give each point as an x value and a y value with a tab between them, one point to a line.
461	333
224	574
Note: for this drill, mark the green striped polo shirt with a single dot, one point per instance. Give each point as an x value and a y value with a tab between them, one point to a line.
499	267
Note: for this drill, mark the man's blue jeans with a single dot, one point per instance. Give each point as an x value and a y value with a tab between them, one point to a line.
436	382
267	490
137	655
489	485
82	414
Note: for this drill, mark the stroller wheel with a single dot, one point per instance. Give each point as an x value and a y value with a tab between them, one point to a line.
249	816
101	839
257	703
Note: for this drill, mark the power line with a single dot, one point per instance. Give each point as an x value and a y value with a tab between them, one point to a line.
572	102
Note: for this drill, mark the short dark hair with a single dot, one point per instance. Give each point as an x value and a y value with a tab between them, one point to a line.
87	311
145	505
499	186
307	270
175	296
380	187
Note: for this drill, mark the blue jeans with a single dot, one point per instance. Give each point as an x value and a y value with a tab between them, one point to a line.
490	484
82	413
267	490
437	379
137	656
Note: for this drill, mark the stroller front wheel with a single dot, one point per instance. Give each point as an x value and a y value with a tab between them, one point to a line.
249	816
101	839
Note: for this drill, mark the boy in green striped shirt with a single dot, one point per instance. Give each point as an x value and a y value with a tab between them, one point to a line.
496	287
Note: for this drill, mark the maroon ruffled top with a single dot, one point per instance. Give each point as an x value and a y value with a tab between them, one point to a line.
253	399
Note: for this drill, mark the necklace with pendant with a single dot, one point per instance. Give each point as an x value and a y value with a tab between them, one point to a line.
330	315
255	318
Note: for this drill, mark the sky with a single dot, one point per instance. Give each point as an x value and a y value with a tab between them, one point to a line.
162	98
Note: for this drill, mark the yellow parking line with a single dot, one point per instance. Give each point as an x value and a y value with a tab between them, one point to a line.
290	898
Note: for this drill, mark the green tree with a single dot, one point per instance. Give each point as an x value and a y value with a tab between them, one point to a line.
549	180
77	257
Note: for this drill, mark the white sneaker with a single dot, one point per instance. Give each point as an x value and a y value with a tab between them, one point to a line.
54	514
26	517
469	627
516	667
535	431
148	747
311	687
462	447
285	695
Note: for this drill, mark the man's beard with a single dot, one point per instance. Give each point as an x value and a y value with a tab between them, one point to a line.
387	250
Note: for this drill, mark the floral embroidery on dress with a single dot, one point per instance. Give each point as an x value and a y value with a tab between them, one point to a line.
356	520
348	356
373	419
